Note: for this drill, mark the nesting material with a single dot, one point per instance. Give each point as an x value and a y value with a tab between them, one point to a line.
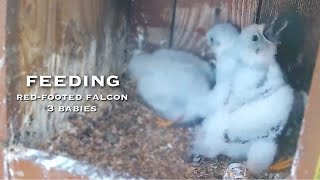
124	137
223	167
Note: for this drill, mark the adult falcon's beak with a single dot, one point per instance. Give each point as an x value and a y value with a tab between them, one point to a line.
273	30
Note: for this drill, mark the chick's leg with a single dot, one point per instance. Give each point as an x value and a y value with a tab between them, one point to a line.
281	165
163	123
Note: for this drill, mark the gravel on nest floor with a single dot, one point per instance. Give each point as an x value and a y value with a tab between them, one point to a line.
125	138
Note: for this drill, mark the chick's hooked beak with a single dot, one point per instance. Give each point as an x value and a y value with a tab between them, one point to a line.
261	30
261	27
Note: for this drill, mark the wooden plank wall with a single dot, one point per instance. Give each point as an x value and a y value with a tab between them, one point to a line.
193	19
57	37
182	24
153	19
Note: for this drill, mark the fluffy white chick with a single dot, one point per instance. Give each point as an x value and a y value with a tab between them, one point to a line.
255	57
176	83
221	39
248	130
170	80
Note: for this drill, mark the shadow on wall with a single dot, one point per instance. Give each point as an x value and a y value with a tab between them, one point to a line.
298	71
290	55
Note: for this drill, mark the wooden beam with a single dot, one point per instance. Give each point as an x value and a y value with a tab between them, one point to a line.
3	76
3	87
194	18
26	169
308	152
24	163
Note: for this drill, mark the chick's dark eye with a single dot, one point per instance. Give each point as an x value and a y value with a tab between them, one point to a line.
211	39
255	38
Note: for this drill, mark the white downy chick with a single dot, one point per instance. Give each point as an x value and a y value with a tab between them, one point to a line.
256	57
180	70
249	131
169	80
221	39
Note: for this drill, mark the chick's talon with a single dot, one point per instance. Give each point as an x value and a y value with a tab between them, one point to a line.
281	165
163	123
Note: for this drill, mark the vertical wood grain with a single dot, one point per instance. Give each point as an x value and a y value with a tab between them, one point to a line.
298	50
154	17
194	18
309	146
3	76
3	87
57	37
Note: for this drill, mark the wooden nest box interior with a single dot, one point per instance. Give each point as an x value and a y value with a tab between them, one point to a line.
59	38
98	37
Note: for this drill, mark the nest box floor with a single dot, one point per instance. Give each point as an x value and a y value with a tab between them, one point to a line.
123	136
